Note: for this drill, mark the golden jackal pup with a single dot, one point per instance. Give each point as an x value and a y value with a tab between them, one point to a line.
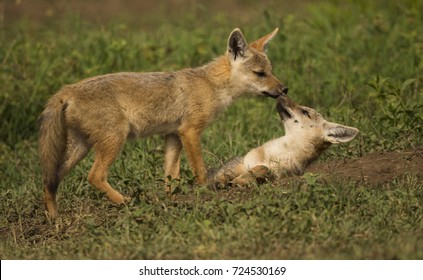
307	135
103	111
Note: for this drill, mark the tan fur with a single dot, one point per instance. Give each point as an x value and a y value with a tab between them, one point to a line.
307	135
102	112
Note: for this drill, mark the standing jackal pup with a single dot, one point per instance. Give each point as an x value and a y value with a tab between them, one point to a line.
103	111
307	135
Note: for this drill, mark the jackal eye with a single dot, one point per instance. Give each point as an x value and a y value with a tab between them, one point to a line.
260	73
305	113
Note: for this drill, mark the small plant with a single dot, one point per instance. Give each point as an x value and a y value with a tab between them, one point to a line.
397	109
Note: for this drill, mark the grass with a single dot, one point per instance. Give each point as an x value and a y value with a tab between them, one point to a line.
358	63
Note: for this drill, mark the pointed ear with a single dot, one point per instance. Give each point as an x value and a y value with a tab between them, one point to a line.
237	45
261	44
336	133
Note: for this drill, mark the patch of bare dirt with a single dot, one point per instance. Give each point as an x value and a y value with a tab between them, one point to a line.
374	168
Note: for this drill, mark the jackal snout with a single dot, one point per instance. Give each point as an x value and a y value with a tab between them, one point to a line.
277	90
285	106
273	87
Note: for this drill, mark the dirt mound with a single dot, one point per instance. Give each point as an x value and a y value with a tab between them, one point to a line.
374	168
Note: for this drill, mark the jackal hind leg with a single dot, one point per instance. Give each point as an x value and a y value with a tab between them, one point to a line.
261	173
76	150
230	170
257	174
50	202
106	152
173	148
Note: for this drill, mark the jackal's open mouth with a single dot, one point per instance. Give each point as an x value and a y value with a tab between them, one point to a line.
268	94
282	110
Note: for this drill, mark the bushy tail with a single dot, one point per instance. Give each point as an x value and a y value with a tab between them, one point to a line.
52	145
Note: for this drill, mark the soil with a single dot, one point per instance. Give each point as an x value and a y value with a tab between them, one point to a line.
375	168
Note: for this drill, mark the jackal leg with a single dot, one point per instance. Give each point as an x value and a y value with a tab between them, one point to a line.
173	150
258	173
105	154
76	149
232	169
192	144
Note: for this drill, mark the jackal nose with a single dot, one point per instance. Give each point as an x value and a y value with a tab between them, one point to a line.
285	90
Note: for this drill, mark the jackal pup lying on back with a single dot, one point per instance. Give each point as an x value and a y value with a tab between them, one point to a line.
307	135
104	111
